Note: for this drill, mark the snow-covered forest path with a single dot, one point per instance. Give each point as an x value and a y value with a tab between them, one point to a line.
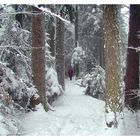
75	114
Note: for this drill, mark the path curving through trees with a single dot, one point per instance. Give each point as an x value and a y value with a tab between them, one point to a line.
75	114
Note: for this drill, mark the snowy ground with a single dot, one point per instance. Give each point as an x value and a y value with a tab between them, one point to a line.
75	114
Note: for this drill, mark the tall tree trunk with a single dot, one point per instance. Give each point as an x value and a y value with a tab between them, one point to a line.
51	31
111	62
101	49
76	67
76	25
102	63
132	69
60	58
38	54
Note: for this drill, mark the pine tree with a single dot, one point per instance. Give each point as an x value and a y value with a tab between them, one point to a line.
112	75
132	69
38	54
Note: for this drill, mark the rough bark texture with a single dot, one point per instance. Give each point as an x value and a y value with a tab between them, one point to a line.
132	69
38	54
60	58
111	60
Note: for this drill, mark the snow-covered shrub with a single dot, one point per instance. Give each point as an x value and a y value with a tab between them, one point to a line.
14	45
16	88
78	55
94	82
53	88
9	125
12	100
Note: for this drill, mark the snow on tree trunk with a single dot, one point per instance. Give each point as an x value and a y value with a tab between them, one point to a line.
111	64
132	69
38	54
60	58
51	31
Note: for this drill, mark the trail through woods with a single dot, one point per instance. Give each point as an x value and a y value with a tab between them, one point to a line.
75	114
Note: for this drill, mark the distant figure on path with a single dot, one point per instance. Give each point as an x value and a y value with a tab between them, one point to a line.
70	72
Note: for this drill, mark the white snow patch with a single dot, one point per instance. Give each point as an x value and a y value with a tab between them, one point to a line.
3	131
76	114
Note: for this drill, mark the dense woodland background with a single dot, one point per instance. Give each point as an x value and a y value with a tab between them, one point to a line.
38	44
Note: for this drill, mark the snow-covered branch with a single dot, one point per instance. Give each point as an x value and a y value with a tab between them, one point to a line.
136	49
48	11
44	10
23	12
127	6
20	47
66	22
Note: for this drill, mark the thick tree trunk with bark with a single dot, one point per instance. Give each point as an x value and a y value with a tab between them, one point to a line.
38	54
132	69
60	58
111	61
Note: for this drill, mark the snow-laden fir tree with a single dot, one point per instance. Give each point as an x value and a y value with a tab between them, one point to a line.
91	34
53	88
15	52
15	47
15	79
95	82
78	60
